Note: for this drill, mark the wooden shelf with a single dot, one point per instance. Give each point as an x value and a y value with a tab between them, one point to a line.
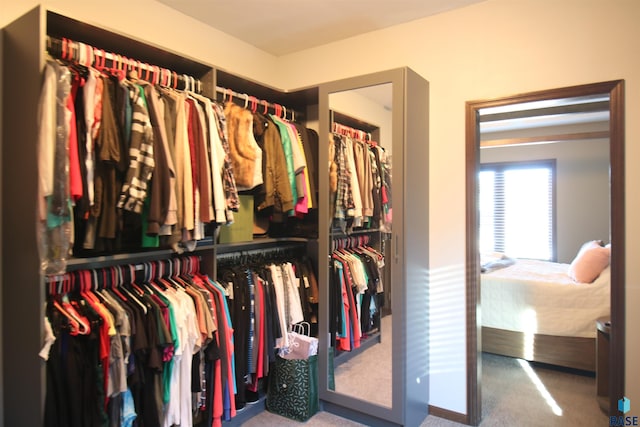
258	244
102	261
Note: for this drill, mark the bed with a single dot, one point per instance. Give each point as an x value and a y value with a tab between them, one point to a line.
533	310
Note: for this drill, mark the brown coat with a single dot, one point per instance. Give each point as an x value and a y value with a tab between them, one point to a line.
242	152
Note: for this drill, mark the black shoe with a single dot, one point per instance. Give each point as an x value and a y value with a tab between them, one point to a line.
252	397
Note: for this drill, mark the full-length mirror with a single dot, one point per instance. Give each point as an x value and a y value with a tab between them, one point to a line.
374	292
544	190
361	222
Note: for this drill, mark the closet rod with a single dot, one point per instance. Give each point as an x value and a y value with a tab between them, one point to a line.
89	56
350	242
291	247
358	134
252	103
153	269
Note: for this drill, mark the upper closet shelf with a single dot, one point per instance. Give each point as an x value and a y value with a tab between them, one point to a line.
59	26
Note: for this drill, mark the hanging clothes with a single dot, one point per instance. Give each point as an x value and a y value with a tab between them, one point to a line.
162	342
246	154
356	295
277	191
360	185
54	211
265	299
138	165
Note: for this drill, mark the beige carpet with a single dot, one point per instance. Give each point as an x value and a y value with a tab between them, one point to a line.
517	393
512	395
354	377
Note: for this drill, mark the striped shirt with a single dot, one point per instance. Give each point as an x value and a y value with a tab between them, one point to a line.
141	161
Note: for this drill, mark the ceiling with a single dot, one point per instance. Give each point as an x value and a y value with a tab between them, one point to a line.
281	27
285	26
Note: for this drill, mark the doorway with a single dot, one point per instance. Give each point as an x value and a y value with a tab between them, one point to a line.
615	92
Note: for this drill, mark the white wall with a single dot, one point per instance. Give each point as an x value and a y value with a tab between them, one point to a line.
157	24
582	188
491	49
359	107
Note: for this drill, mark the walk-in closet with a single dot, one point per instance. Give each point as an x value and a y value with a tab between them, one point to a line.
159	244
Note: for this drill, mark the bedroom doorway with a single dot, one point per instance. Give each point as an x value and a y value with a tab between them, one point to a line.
613	94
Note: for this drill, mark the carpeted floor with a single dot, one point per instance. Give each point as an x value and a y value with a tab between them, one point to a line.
349	378
514	393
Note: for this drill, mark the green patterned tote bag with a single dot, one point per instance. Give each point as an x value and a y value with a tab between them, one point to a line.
293	388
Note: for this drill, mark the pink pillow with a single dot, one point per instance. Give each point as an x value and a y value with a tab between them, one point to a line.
589	263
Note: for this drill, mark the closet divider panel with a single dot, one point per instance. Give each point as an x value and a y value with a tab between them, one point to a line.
22	286
414	246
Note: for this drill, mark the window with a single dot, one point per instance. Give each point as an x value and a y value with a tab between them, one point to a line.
517	209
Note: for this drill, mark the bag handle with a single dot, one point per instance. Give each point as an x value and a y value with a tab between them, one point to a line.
299	328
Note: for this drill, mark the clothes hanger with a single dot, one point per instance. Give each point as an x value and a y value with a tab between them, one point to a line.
74	326
117	282
86	54
165	277
91	55
90	282
133	297
64	48
133	71
82	322
105	282
150	282
58	300
165	77
70	51
161	76
132	284
114	70
82	54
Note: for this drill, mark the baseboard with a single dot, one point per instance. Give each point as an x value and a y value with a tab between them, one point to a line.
449	415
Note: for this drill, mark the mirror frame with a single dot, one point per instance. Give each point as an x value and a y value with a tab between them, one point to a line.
615	90
349	406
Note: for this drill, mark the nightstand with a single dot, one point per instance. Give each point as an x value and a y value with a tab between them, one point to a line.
603	331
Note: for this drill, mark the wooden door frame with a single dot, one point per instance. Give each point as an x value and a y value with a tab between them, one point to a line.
615	90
